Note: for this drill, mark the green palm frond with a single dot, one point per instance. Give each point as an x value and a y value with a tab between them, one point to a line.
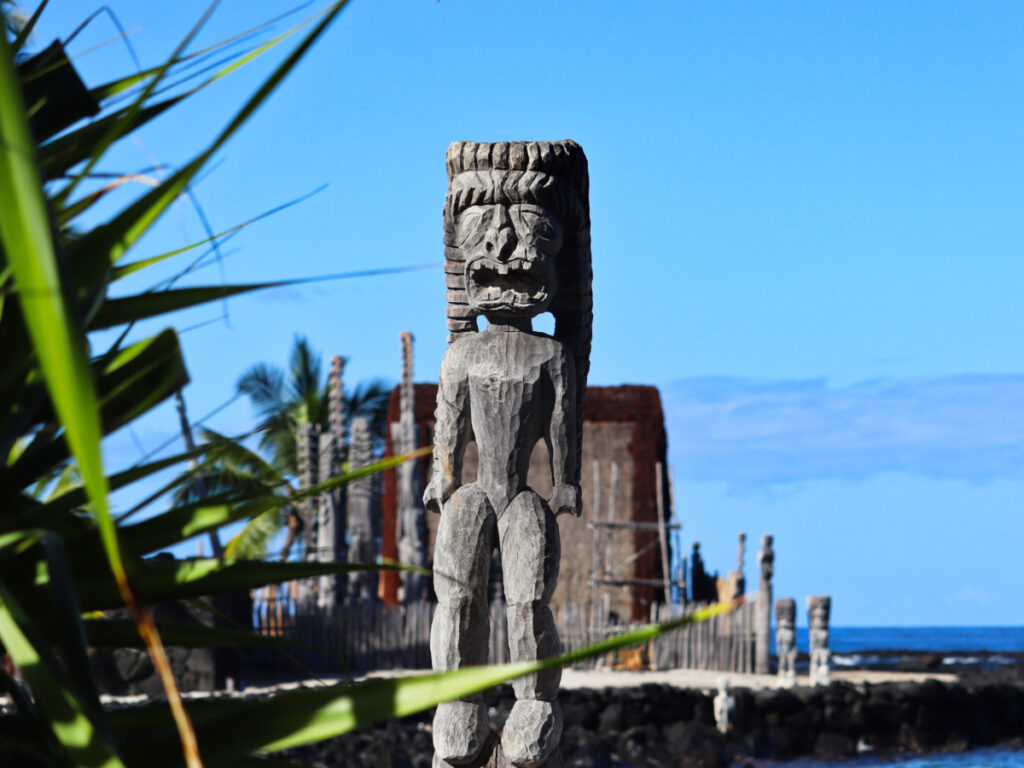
304	378
253	541
264	385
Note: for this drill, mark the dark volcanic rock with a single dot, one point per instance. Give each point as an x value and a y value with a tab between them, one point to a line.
834	746
663	726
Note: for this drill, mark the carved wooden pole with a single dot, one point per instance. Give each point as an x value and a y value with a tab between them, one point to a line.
517	237
330	533
307	445
362	584
818	609
740	585
411	523
763	620
785	641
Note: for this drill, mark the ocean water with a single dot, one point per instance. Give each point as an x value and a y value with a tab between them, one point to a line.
880	646
978	758
938	639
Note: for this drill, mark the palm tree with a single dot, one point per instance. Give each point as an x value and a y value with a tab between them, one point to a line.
282	401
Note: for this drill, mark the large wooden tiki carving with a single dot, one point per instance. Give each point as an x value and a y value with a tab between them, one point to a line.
517	243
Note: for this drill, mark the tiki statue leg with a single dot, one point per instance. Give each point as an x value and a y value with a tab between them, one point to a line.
460	633
530	553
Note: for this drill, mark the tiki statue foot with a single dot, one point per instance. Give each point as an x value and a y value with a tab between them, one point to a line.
532	732
460	729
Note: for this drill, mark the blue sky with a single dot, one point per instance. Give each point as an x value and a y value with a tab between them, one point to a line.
806	232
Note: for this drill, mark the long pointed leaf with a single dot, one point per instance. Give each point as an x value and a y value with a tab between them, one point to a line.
66	151
121	233
118	633
117	130
75	497
25	228
241	727
53	693
134	381
127	269
58	344
160	582
68	621
190	520
22	37
122	84
131	309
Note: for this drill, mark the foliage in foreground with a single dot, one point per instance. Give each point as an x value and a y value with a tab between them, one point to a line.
63	557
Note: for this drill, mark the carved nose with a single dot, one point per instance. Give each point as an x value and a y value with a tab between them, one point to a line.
504	244
502	240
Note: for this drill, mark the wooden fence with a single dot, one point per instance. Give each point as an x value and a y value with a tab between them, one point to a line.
368	636
724	642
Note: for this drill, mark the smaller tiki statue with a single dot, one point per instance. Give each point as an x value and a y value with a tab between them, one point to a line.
517	237
785	640
723	704
818	608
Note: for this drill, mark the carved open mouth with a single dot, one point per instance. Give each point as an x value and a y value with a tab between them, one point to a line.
515	285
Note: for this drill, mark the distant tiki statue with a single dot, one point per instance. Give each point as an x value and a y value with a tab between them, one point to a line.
785	640
412	532
763	615
818	609
517	243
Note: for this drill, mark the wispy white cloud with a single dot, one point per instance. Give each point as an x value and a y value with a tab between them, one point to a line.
755	433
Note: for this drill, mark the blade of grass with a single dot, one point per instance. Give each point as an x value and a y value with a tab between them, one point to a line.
121	233
161	582
118	129
36	726
118	633
19	41
131	382
66	151
130	309
127	269
53	693
69	149
190	520
68	620
76	497
120	85
241	727
25	229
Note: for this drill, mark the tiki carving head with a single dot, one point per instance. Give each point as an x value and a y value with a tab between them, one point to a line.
818	609
785	613
517	240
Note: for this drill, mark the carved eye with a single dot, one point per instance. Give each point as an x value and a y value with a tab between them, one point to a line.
538	226
471	225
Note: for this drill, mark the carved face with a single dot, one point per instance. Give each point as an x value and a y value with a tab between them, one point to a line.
819	614
510	258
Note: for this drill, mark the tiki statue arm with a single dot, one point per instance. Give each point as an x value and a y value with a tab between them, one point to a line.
563	442
451	432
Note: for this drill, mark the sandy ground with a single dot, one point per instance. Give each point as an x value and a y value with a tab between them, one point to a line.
704	680
707	679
